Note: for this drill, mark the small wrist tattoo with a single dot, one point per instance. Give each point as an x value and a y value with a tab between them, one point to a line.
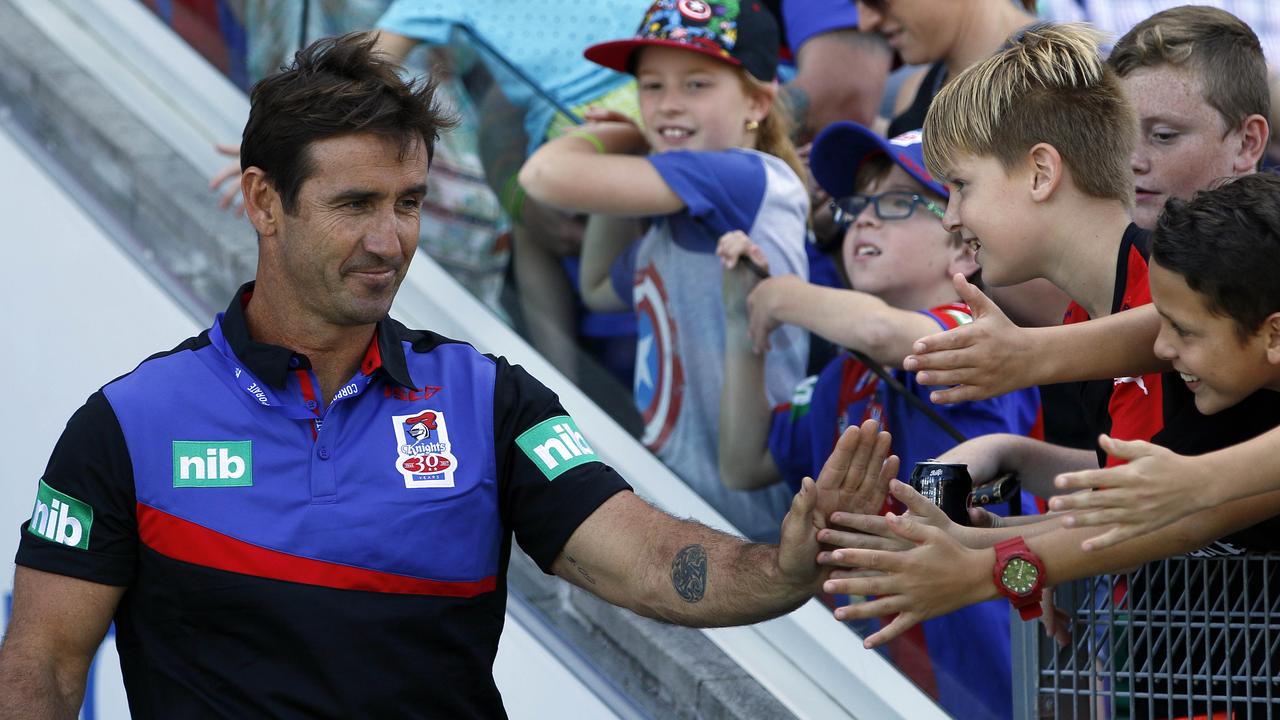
689	573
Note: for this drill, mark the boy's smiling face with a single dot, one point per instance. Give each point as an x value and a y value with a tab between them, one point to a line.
991	210
1206	348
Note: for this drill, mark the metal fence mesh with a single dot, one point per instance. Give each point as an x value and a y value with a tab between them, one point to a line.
1180	638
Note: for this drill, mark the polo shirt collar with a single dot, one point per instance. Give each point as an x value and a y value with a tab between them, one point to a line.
273	363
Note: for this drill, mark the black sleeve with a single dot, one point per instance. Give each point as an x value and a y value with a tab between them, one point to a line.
1188	432
550	478
84	519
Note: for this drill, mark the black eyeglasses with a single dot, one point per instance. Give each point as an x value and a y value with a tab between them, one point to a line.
893	205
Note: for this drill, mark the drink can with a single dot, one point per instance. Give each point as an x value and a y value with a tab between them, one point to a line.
946	485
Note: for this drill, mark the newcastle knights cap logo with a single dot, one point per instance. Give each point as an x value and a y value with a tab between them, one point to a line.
423	452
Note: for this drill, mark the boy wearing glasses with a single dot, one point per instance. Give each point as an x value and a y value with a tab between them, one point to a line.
900	259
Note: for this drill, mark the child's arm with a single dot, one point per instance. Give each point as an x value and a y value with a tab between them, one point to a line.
745	415
849	318
1035	462
1158	487
598	169
939	574
991	356
606	237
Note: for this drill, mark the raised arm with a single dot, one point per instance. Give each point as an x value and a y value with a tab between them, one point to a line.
606	237
632	554
745	414
596	169
991	356
55	629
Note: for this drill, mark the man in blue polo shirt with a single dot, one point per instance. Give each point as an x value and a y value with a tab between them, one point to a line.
307	510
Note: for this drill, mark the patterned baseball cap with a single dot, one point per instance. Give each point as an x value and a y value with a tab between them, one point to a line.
841	148
740	32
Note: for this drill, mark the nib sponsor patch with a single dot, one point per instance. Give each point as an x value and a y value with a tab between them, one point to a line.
61	518
555	445
212	464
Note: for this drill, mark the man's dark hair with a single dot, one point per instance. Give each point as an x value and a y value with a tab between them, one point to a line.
335	86
1225	243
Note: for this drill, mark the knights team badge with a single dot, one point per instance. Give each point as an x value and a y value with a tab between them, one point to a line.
423	450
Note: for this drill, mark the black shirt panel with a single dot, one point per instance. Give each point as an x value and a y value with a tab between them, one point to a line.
224	645
543	513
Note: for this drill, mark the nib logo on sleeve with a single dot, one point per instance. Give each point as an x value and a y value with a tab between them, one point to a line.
556	445
61	518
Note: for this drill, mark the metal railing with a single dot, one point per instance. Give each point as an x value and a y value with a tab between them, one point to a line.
1186	637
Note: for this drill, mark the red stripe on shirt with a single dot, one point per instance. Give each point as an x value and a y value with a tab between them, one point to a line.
186	541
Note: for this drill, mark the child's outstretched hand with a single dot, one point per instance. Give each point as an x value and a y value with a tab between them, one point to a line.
1155	488
744	264
979	360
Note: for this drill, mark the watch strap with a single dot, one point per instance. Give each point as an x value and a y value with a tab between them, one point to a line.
1006	550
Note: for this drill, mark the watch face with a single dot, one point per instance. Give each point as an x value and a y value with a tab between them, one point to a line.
1019	576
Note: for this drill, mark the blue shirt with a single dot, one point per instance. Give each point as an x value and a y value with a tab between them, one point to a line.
544	39
807	18
288	559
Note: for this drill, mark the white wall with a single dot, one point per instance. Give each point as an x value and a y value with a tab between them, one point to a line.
75	312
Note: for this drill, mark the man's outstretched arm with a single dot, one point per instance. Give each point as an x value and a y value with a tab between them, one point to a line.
638	557
55	629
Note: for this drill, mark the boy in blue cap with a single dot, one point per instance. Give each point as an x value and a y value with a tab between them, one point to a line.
900	260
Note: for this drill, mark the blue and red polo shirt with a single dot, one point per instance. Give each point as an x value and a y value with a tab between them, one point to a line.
282	558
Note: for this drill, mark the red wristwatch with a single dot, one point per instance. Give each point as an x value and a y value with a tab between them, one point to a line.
1019	576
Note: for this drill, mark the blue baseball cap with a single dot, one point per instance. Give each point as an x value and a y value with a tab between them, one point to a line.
841	148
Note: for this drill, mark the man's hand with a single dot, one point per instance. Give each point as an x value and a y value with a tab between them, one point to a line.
1155	488
935	576
762	306
982	359
229	176
849	480
861	487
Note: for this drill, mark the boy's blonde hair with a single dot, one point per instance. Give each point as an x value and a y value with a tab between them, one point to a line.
1219	47
774	134
1049	85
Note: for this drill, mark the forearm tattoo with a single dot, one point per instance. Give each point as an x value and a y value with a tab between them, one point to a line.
581	570
689	573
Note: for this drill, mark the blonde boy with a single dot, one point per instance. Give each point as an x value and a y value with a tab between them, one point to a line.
1197	78
1034	143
